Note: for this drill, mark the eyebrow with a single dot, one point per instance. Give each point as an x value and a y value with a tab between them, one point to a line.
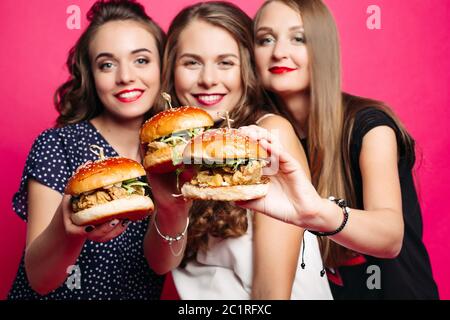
110	55
196	56
294	28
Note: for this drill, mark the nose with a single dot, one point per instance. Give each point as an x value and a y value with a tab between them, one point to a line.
208	77
125	74
280	50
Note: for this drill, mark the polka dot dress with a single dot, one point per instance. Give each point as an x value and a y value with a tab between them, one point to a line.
105	271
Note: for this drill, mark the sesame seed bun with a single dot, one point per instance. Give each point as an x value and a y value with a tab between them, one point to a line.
222	144
100	173
164	124
174	120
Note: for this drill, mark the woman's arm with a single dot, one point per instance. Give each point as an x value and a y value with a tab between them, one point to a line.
376	231
277	244
53	242
171	217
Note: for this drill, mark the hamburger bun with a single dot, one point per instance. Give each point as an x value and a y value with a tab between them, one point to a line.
174	120
222	144
166	123
230	193
161	160
100	173
96	176
134	207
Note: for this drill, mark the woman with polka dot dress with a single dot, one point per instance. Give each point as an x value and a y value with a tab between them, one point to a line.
114	82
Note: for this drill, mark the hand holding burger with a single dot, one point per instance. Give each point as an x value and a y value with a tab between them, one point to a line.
98	233
292	198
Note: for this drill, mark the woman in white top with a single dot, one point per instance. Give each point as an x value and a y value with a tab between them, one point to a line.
228	252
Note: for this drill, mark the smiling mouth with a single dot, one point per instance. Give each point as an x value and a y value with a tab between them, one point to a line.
281	70
129	95
208	99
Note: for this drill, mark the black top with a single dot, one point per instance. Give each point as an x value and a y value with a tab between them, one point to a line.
113	270
409	275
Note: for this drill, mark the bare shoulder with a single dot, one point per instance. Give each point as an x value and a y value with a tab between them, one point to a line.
282	126
285	132
274	121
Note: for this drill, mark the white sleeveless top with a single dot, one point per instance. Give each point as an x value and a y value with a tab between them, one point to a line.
225	271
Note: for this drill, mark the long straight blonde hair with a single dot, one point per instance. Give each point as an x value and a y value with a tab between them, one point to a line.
331	114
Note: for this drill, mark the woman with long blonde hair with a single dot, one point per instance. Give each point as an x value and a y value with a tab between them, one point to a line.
357	150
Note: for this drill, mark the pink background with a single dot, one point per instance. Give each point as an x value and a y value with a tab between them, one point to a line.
405	64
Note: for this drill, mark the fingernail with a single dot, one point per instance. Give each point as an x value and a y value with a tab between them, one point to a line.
125	222
89	228
114	223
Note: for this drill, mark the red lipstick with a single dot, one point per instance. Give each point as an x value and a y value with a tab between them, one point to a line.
129	95
281	70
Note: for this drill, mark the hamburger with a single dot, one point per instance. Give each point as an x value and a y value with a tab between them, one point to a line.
228	167
165	135
106	189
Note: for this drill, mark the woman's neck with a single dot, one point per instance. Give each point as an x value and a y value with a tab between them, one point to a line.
123	136
297	105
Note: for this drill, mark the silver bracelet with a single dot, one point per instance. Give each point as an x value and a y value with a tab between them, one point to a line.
169	239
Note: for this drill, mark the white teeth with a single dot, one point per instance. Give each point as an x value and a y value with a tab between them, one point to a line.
131	94
210	98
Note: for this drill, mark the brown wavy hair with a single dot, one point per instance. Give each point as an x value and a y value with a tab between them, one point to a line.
331	115
77	100
210	218
213	218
